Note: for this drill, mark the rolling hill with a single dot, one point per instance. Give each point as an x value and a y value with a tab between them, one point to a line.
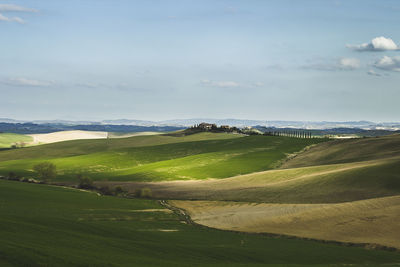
351	150
42	225
265	184
318	184
157	158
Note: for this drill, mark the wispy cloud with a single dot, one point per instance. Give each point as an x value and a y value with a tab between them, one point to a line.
341	64
230	84
349	63
373	73
220	84
388	63
376	44
12	19
14	8
27	82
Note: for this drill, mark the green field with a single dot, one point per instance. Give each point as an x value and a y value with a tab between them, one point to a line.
43	225
7	139
318	184
157	158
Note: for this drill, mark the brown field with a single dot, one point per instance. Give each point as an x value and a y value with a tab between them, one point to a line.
373	221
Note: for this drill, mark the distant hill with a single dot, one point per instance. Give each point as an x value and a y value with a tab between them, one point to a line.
182	123
33	128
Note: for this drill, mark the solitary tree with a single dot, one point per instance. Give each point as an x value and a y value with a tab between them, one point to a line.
45	170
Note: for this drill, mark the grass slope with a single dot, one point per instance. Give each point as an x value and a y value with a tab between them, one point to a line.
351	150
44	225
7	139
83	147
373	221
157	158
317	184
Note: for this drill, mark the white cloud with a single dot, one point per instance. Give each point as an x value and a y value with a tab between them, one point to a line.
13	19
388	63
15	8
373	73
27	82
377	44
3	18
220	84
349	63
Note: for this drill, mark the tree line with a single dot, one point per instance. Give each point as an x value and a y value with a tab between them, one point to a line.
296	134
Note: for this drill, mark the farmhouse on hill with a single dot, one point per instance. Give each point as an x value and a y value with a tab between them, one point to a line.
206	126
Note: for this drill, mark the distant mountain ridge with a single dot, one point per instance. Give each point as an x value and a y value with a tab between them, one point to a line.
180	123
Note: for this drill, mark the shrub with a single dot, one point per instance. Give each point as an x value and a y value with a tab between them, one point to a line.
119	190
84	182
13	176
105	190
143	192
45	170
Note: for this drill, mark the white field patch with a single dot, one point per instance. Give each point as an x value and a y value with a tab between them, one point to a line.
66	136
111	135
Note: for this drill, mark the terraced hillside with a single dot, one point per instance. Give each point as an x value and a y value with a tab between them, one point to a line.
157	158
43	225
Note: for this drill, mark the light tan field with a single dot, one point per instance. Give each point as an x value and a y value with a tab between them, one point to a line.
372	221
77	135
125	135
66	136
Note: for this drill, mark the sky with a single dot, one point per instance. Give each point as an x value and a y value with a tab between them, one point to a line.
157	60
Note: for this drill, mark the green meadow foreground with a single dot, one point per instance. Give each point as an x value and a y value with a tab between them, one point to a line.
42	225
343	190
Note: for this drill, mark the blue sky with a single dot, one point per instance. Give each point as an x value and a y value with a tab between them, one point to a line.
270	60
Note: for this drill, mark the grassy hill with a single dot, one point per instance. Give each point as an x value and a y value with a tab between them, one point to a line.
157	158
7	139
318	184
377	174
351	150
43	225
